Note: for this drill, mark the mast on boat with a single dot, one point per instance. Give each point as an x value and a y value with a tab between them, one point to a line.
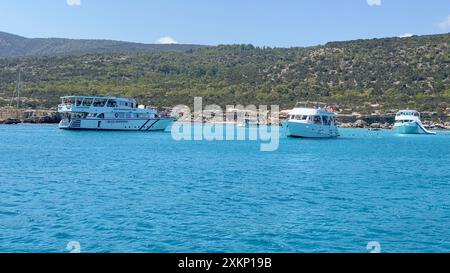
17	91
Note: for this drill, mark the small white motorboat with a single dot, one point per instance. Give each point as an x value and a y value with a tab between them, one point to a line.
317	121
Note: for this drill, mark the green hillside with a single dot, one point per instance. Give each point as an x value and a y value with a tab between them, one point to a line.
386	73
17	46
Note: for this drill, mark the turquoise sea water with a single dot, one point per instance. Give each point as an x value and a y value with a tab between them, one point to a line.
144	192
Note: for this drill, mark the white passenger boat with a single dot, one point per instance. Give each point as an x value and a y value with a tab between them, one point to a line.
408	122
316	121
109	113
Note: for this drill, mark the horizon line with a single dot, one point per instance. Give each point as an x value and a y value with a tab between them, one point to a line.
229	44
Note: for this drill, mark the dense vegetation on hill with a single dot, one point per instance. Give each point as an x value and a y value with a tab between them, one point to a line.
363	75
17	46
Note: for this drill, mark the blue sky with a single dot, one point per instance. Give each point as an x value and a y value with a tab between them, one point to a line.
281	23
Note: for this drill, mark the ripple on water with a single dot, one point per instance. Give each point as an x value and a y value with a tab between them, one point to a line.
126	192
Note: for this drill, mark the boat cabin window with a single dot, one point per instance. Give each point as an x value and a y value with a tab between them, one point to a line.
416	114
112	103
101	116
67	101
87	102
329	120
99	102
123	104
301	117
317	120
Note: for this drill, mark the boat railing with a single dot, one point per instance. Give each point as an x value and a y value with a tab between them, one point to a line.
408	113
67	107
316	105
99	102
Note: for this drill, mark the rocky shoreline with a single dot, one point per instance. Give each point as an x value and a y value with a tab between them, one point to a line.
377	122
374	122
29	116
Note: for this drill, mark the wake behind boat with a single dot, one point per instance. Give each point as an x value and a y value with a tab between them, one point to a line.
109	113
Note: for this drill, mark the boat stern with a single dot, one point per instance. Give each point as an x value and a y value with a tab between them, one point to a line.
67	124
64	124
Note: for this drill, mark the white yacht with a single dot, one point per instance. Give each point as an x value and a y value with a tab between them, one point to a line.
317	121
408	122
109	113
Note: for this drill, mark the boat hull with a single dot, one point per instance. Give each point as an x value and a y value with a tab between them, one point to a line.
117	125
304	130
407	129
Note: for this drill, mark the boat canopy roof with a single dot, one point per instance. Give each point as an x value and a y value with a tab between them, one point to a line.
96	98
313	108
408	113
311	112
310	104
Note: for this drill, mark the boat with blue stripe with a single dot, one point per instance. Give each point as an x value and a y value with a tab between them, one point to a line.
110	114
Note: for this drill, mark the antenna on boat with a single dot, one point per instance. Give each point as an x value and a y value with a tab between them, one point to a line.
16	91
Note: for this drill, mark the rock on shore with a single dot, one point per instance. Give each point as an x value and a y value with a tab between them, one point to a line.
368	121
10	121
377	122
9	116
374	122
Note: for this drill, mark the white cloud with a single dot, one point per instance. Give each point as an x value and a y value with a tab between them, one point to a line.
166	40
406	35
73	2
374	2
445	24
